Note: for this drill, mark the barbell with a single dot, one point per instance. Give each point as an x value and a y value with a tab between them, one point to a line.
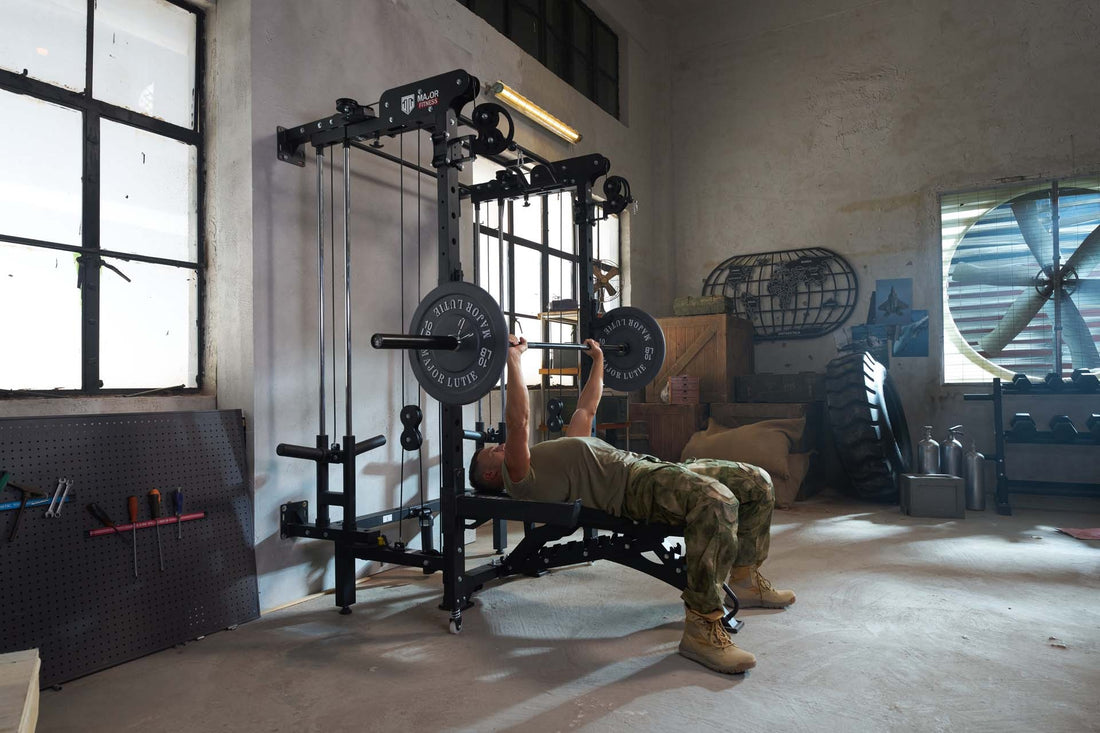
454	343
458	344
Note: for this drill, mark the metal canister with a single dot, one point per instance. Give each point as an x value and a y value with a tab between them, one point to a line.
928	453
951	452
974	468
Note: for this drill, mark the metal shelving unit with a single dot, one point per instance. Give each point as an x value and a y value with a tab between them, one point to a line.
1003	438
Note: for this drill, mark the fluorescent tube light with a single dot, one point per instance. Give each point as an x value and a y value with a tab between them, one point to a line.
535	112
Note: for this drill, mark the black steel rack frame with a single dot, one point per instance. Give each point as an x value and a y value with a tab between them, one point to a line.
1002	438
435	106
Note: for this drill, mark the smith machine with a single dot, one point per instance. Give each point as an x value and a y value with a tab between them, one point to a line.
457	343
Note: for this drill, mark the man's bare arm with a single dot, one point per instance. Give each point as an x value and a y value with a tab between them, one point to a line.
517	414
580	425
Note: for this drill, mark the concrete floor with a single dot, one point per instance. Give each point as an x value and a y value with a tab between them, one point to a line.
901	624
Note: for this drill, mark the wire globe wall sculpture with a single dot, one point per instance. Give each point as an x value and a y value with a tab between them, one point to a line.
788	294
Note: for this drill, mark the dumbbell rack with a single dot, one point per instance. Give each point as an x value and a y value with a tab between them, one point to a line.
1003	438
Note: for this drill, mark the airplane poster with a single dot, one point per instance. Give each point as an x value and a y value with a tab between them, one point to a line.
894	302
912	338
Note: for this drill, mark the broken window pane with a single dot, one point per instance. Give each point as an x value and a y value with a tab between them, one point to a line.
148	326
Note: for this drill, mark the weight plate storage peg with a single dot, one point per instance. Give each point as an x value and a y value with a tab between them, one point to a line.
459	343
637	364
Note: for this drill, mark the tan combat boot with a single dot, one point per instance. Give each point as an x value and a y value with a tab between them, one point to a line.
707	642
754	591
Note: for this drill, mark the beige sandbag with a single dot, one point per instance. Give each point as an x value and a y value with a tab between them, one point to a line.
766	444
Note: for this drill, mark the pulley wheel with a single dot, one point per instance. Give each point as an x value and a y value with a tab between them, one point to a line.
637	365
490	140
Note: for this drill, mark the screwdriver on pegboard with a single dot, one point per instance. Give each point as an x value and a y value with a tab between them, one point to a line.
177	500
132	507
104	519
154	509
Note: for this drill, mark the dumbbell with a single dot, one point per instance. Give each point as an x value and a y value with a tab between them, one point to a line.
1093	424
1055	382
1021	382
1085	380
1062	428
1022	426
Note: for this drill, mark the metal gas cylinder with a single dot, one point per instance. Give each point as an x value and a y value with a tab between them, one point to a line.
928	453
974	468
951	452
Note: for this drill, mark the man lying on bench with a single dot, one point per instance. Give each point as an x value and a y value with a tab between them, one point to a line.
724	507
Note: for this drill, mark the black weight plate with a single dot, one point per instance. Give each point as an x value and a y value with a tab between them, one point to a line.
638	364
469	313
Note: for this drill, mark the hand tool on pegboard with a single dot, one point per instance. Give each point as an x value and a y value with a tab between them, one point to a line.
64	497
56	495
177	500
27	494
104	519
154	509
132	509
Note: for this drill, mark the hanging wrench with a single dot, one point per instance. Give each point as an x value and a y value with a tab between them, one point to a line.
68	485
56	493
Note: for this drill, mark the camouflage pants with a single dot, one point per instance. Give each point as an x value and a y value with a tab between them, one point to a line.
725	509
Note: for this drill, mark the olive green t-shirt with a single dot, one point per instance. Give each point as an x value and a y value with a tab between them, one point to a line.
567	469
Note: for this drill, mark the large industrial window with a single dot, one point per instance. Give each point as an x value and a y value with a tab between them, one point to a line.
101	246
1022	287
535	252
566	37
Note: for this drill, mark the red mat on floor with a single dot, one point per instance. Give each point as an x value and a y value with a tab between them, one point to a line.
1082	534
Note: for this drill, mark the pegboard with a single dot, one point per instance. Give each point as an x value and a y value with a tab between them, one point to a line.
75	597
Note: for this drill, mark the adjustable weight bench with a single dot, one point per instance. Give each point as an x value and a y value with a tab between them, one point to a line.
547	522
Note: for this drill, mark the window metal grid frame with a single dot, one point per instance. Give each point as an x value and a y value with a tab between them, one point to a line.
557	36
91	254
545	251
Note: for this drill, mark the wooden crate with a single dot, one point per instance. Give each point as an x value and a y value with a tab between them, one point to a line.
715	348
697	305
800	387
667	427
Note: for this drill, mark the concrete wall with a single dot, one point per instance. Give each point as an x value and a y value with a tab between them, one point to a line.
836	123
304	56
